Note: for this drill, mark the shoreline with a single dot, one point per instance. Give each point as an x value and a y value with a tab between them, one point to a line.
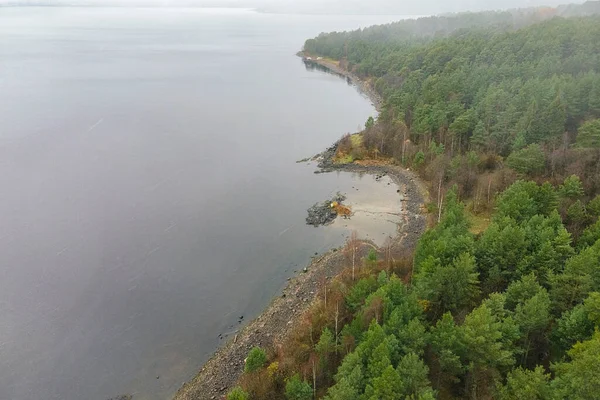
223	370
362	85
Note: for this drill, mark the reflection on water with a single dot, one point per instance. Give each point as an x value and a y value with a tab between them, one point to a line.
314	66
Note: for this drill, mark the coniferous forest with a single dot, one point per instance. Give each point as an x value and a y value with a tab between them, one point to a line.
524	95
500	114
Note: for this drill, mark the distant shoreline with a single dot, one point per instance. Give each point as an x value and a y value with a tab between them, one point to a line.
259	10
364	86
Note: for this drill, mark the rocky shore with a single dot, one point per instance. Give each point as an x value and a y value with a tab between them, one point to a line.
223	370
321	213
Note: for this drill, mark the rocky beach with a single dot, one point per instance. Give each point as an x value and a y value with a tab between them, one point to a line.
222	371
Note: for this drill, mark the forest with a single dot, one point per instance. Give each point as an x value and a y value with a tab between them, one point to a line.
500	116
464	106
508	313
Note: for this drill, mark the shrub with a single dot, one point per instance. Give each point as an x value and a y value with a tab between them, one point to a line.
372	256
257	358
297	389
237	394
419	159
572	188
344	145
370	123
357	153
529	160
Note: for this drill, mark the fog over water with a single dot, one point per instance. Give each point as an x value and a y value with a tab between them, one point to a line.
331	7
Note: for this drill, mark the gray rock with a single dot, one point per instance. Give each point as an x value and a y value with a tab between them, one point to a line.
322	214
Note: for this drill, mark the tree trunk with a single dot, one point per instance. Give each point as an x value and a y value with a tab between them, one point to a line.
337	316
353	258
440	200
440	209
314	371
404	147
526	354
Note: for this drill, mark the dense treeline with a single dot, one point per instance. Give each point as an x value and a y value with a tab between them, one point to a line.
351	45
354	45
391	7
530	96
510	313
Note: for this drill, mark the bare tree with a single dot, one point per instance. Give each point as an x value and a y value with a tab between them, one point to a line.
440	199
337	318
440	205
345	144
404	131
389	242
324	286
314	374
351	250
312	341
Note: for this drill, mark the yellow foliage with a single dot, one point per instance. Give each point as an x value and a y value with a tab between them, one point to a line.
273	368
341	209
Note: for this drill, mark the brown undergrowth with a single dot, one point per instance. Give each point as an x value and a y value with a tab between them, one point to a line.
302	352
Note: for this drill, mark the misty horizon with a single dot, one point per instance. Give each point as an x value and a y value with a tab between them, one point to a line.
427	7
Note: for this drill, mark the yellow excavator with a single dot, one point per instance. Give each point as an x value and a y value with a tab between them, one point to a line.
341	209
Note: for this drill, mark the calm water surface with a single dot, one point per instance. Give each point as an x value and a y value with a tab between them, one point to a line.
149	191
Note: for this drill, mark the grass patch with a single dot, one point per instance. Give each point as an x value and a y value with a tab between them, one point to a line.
344	159
330	60
479	223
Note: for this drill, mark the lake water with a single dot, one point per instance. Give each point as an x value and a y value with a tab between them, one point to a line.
150	195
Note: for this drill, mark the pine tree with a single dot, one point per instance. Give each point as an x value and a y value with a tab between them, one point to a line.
573	326
579	378
594	99
447	343
387	386
488	352
522	384
413	374
588	135
297	389
581	276
448	288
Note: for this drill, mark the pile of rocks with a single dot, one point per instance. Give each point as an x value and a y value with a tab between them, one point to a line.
322	213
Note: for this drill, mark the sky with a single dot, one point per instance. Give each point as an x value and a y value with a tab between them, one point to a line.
398	7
